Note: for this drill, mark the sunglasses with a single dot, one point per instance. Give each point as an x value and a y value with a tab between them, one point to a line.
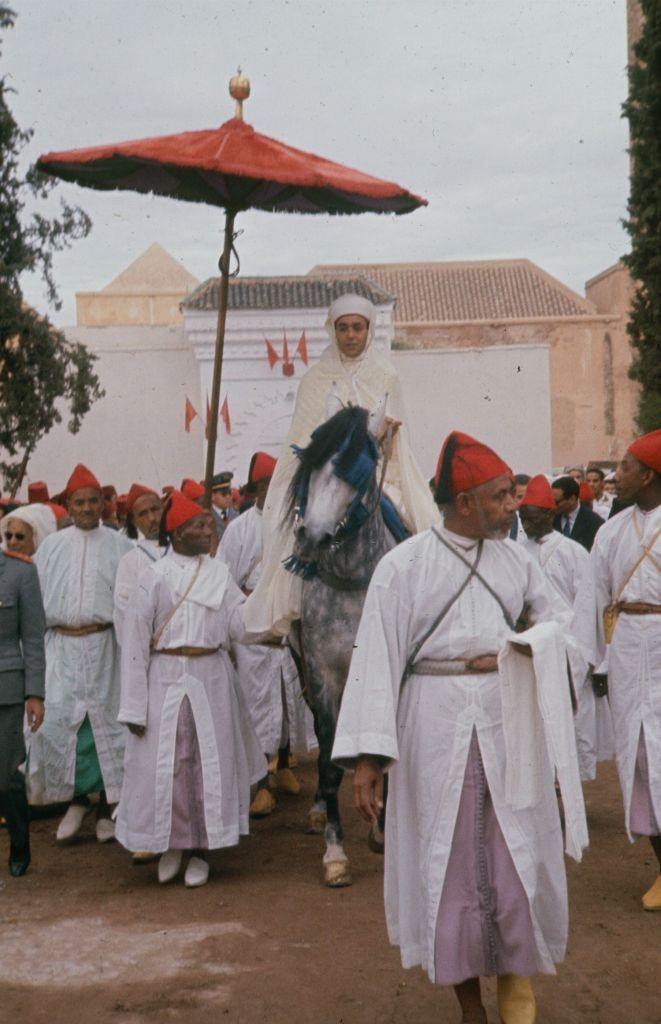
14	536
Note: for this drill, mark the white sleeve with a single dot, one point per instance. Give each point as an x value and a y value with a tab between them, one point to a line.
135	651
124	585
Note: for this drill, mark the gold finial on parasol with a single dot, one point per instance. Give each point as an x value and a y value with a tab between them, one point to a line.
240	91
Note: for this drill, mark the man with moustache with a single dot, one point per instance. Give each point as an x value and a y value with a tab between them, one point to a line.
474	873
143	517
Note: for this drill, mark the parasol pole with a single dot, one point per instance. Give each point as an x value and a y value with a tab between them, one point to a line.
212	426
240	91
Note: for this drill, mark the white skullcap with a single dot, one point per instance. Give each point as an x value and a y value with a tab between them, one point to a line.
40	518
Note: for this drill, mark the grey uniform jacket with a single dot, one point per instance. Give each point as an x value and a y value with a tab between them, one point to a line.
22	629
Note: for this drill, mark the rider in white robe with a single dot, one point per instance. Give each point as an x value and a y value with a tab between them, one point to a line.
625	565
365	380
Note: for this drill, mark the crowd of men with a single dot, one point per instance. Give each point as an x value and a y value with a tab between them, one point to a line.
121	618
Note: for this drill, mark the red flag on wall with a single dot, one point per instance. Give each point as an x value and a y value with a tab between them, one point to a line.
189	415
271	353
302	348
225	415
287	365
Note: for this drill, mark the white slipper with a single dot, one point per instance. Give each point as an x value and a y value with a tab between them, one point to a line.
105	830
197	873
168	865
72	822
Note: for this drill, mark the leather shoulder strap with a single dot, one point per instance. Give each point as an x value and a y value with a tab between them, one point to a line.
508	618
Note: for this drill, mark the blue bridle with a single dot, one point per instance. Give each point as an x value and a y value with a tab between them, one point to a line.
358	475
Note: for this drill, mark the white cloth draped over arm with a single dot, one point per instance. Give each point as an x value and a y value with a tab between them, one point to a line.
537	714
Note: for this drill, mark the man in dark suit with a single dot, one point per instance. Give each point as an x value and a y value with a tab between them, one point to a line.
22	674
574	519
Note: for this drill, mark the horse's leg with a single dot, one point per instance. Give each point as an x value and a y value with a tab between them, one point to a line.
317	814
336	862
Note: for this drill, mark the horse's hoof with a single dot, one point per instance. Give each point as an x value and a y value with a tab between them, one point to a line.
337	874
376	840
316	823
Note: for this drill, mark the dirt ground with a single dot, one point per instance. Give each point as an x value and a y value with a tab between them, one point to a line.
86	938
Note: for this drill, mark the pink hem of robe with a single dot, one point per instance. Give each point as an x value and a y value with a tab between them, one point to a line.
483	925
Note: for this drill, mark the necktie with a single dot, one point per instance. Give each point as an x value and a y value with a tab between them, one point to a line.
567	529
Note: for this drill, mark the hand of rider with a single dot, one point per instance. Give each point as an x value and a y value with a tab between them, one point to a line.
368	788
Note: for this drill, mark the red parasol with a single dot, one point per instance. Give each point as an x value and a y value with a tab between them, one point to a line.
237	168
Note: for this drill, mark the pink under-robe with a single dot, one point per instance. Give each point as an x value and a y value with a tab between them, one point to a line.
483	925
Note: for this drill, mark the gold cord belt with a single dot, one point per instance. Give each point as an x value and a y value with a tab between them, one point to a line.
92	627
187	652
480	665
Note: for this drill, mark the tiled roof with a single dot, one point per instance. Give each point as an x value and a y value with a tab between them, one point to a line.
468	291
284	292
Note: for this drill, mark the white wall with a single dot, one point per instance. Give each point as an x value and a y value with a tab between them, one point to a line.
499	395
137	431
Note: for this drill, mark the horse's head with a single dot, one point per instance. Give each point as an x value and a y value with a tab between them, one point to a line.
334	474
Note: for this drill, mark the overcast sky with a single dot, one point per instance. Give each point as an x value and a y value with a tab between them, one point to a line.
504	114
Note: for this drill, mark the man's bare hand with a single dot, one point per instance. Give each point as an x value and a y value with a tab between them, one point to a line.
368	788
34	710
137	730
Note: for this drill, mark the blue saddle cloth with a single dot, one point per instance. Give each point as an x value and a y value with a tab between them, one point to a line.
392	520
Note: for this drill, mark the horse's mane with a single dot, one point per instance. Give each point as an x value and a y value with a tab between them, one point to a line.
349	423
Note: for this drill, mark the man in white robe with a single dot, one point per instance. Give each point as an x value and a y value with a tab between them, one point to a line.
189	761
565	564
143	511
474	876
267	673
80	748
618	610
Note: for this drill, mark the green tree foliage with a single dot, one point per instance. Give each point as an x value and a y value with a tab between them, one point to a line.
41	373
643	109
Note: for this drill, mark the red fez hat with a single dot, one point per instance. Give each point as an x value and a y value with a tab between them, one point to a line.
539	493
647	449
58	510
191	489
180	510
585	492
109	491
81	477
262	467
121	504
465	463
137	491
38	492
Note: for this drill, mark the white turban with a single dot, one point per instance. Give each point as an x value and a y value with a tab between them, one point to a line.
40	518
351	303
345	306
